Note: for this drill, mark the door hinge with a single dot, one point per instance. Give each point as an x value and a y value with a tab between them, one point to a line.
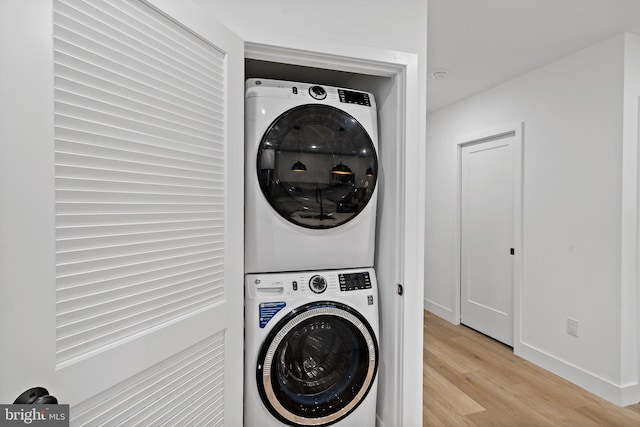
400	289
513	251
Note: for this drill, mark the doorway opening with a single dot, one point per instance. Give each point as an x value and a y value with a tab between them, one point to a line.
394	88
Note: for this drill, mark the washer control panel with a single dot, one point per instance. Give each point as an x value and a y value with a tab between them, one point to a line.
280	286
318	284
354	281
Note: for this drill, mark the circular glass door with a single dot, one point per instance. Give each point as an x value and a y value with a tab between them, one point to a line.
317	364
317	166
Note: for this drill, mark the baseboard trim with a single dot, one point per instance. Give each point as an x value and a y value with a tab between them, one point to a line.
618	395
440	311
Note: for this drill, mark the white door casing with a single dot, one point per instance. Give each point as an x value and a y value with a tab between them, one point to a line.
400	229
162	324
490	232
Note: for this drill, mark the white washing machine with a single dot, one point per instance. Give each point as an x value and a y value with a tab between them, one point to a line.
311	172
311	348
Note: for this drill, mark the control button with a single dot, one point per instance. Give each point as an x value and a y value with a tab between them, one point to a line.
370	299
318	284
295	285
317	92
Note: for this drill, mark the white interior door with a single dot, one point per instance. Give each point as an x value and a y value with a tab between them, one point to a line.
487	237
121	213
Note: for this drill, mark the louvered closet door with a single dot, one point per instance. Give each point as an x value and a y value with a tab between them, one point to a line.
147	118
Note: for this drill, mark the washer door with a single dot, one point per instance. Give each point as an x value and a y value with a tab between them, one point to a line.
317	166
317	364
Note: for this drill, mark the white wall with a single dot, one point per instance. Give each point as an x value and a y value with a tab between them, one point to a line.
399	25
573	242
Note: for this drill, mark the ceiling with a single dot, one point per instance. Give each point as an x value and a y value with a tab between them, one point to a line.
482	43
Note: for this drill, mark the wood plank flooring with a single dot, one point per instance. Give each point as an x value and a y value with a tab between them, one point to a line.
472	380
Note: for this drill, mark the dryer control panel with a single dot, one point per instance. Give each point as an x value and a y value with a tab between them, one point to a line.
352	97
298	90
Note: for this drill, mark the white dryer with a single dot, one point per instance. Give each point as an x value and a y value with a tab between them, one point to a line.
311	349
311	172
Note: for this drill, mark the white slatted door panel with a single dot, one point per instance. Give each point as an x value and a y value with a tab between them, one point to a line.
182	390
140	179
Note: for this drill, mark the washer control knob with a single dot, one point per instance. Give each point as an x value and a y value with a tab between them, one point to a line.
317	92
318	284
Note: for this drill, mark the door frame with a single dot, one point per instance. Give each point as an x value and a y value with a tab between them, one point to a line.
515	129
406	254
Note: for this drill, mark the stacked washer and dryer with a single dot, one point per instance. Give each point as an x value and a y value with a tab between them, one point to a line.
311	299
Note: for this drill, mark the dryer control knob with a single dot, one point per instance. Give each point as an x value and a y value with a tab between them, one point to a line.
318	284
317	92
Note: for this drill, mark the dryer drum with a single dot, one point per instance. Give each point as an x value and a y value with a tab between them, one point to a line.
317	364
333	176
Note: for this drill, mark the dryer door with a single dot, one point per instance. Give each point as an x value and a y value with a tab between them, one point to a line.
317	166
317	364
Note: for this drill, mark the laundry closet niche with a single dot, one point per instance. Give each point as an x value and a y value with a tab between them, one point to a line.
389	243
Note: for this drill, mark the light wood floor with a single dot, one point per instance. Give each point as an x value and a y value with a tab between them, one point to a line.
472	380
